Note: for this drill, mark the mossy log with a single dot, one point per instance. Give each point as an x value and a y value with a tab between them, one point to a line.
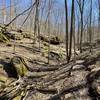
20	66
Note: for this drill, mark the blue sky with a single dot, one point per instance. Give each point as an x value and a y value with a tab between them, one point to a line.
25	1
23	4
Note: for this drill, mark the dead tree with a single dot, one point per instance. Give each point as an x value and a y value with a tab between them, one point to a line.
20	14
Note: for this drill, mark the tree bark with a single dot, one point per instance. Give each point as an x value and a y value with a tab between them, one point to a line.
71	30
66	12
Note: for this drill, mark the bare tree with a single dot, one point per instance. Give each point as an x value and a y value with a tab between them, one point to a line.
66	12
31	18
69	45
12	11
49	13
4	11
74	38
98	17
81	9
71	30
90	27
78	27
36	20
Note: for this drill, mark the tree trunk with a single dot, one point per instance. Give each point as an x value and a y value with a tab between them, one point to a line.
71	30
66	12
4	11
90	28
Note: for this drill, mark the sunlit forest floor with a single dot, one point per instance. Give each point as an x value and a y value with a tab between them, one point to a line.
26	75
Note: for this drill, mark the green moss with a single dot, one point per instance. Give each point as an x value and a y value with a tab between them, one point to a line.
23	69
17	97
61	53
19	65
3	38
3	78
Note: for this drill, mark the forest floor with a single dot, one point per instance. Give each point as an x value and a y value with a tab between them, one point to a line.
78	80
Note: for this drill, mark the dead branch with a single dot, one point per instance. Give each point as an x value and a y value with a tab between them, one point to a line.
21	14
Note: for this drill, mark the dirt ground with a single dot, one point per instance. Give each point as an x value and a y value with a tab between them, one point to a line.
81	84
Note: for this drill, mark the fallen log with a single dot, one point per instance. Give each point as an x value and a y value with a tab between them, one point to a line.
19	65
67	90
47	91
44	69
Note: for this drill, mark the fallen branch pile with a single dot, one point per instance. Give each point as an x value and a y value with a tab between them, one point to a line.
54	83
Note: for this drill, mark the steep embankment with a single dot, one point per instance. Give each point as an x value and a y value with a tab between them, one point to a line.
25	74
